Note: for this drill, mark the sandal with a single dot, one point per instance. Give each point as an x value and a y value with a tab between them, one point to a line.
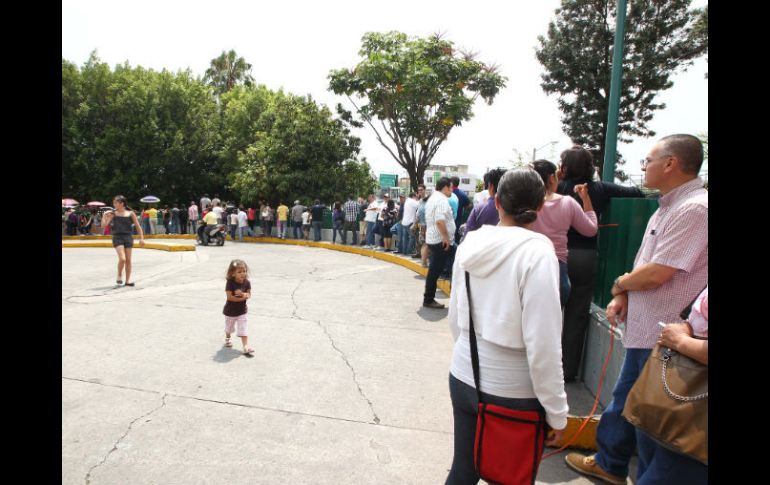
228	343
248	352
120	282
129	284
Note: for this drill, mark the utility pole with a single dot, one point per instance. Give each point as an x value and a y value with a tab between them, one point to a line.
611	140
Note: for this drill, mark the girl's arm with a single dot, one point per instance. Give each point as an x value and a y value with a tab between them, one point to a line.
231	297
138	228
584	222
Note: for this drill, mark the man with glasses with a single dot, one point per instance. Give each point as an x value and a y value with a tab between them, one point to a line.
670	270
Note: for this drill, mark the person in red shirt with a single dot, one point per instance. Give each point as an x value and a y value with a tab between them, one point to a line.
251	215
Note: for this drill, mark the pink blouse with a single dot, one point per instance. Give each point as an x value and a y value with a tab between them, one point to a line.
555	219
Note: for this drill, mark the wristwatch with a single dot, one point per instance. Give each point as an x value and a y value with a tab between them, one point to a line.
617	283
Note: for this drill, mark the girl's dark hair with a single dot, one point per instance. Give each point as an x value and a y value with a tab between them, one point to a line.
391	204
521	192
545	169
234	265
577	163
123	200
338	206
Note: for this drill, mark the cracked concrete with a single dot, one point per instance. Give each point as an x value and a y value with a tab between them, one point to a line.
348	384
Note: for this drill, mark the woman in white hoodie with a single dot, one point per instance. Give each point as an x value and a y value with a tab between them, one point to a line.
514	280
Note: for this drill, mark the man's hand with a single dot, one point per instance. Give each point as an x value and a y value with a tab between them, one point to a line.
617	310
445	244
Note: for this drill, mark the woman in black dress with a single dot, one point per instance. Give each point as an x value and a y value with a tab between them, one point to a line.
120	221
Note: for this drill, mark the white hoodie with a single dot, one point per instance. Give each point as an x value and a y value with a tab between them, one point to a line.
517	316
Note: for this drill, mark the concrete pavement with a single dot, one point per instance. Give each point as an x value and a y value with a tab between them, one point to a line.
348	383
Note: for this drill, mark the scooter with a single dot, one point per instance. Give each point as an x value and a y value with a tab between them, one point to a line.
212	233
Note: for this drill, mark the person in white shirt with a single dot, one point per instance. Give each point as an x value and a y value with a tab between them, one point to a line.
439	237
514	287
243	224
410	215
371	220
233	220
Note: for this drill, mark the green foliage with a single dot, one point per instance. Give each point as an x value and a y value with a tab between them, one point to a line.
412	92
136	132
577	56
227	71
293	149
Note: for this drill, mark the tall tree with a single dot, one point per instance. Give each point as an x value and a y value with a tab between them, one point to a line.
577	57
412	92
227	71
295	150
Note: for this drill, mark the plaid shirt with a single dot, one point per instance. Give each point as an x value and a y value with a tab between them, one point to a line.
677	236
351	210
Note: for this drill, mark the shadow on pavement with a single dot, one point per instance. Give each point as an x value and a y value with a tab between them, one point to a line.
431	314
226	354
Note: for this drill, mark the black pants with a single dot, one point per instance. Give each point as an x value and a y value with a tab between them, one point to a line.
581	268
438	259
465	410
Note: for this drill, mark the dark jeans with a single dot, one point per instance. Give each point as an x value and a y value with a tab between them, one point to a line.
317	230
438	260
661	466
564	286
370	233
233	231
581	268
465	410
616	438
267	228
403	238
297	229
338	228
350	226
378	230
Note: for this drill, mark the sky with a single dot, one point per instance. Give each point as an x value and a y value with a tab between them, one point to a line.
294	44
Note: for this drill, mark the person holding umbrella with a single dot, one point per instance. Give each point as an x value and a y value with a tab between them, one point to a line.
120	221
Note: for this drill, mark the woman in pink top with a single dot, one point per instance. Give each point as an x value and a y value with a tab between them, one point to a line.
558	214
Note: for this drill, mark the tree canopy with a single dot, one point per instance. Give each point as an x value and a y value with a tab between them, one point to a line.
660	37
227	71
412	92
135	132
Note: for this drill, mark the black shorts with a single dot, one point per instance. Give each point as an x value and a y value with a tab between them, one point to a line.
386	231
125	240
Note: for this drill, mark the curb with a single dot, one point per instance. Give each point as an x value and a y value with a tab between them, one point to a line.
148	245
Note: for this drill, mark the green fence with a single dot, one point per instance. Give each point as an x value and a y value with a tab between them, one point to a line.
619	242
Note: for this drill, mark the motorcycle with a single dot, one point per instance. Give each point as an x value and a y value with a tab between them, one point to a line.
212	233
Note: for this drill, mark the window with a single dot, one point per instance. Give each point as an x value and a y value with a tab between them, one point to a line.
430	180
465	181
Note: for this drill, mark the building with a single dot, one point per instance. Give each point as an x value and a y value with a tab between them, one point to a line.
467	180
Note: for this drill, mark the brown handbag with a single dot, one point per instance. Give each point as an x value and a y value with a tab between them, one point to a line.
669	402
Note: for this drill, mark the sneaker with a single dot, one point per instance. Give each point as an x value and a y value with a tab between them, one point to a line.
416	256
587	466
433	304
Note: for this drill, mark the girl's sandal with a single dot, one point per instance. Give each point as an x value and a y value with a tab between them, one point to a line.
228	343
248	352
120	282
130	284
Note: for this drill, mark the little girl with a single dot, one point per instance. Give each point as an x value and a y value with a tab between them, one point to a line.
238	290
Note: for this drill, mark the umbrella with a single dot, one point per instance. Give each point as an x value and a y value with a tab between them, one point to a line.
95	203
150	199
69	202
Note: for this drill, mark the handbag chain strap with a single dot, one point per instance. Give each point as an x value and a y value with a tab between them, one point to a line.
472	337
666	357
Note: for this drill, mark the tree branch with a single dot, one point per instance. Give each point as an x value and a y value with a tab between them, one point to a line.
377	133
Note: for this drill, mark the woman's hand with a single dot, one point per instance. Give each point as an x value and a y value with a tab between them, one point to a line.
554	438
582	191
141	243
673	334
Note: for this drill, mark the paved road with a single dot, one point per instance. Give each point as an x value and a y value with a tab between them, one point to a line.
348	384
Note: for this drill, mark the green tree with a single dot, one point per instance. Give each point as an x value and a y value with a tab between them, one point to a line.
227	71
135	131
577	56
415	90
296	150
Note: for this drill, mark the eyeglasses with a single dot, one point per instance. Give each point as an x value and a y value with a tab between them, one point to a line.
646	161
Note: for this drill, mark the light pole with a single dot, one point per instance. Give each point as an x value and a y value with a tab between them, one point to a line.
534	151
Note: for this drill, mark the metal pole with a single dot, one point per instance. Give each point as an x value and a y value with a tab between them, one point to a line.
611	140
